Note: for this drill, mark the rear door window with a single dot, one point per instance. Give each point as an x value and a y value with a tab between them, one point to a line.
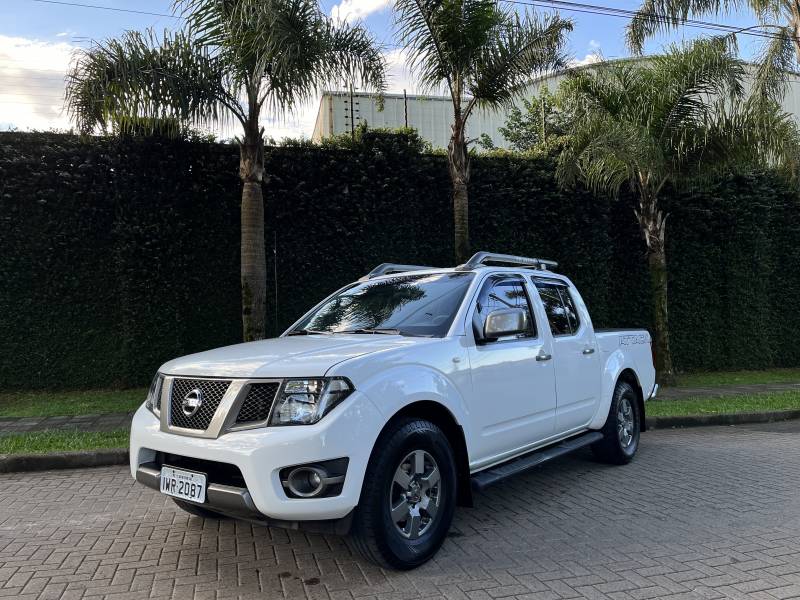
569	306
559	307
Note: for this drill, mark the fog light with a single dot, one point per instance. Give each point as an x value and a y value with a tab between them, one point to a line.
323	479
307	482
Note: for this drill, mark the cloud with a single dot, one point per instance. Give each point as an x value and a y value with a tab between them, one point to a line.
356	10
24	53
594	44
398	73
589	59
297	124
32	92
401	77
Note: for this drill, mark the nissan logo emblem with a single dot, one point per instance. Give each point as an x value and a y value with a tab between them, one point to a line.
192	402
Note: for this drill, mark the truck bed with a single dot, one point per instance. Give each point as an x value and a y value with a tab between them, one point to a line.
634	343
619	330
611	339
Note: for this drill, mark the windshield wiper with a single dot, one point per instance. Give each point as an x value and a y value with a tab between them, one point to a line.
378	330
307	332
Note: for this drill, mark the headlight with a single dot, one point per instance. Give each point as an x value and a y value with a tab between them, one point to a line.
306	401
153	401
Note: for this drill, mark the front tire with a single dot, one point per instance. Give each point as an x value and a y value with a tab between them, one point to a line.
622	429
408	496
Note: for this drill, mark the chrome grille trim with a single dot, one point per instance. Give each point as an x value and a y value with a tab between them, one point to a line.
157	394
226	413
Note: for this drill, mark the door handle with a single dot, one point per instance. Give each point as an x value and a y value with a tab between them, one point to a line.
588	350
541	357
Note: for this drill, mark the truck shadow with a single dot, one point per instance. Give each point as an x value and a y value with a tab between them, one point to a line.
509	524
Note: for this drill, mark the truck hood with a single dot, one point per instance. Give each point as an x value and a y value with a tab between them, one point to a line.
296	356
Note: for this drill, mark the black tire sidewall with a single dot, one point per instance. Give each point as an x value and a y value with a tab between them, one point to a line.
414	435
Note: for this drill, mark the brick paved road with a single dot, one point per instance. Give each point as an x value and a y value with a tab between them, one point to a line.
702	513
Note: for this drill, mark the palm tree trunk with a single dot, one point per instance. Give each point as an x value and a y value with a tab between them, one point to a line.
254	266
459	176
653	225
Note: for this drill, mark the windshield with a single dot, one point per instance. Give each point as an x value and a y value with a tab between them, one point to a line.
422	305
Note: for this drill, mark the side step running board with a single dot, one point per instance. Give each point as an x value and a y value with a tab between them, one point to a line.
483	479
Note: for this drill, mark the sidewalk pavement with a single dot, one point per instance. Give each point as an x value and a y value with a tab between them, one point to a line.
679	393
115	421
94	423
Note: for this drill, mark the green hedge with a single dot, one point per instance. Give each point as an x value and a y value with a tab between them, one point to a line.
118	255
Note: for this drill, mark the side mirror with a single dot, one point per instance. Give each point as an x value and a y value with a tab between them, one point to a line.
505	321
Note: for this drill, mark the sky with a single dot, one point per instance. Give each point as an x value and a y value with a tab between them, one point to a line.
38	39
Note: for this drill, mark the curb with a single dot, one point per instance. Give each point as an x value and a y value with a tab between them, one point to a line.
730	419
10	463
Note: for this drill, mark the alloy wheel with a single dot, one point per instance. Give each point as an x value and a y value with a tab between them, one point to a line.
415	494
625	423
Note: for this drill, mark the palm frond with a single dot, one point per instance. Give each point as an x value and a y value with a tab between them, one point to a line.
484	54
517	51
674	118
687	76
284	51
352	54
604	154
434	32
662	16
141	78
776	60
606	87
740	136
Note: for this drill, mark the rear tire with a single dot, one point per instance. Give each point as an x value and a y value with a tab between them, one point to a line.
198	511
408	496
622	429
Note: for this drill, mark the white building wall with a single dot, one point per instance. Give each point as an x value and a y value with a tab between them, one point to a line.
431	115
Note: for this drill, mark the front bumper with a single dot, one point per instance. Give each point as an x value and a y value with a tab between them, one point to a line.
236	502
225	498
348	431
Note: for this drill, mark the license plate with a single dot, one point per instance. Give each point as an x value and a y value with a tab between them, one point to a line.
186	485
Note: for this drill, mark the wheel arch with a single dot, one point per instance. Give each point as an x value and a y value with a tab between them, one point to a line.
629	376
440	415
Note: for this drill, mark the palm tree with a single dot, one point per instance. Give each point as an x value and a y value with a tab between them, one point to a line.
484	56
665	123
234	60
778	20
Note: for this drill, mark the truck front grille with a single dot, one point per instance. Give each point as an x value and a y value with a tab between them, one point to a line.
257	403
211	392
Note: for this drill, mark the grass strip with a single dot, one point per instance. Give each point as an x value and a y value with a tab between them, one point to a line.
87	402
43	442
716	378
766	402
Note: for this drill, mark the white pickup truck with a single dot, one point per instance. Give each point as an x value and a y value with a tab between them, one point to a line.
389	402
